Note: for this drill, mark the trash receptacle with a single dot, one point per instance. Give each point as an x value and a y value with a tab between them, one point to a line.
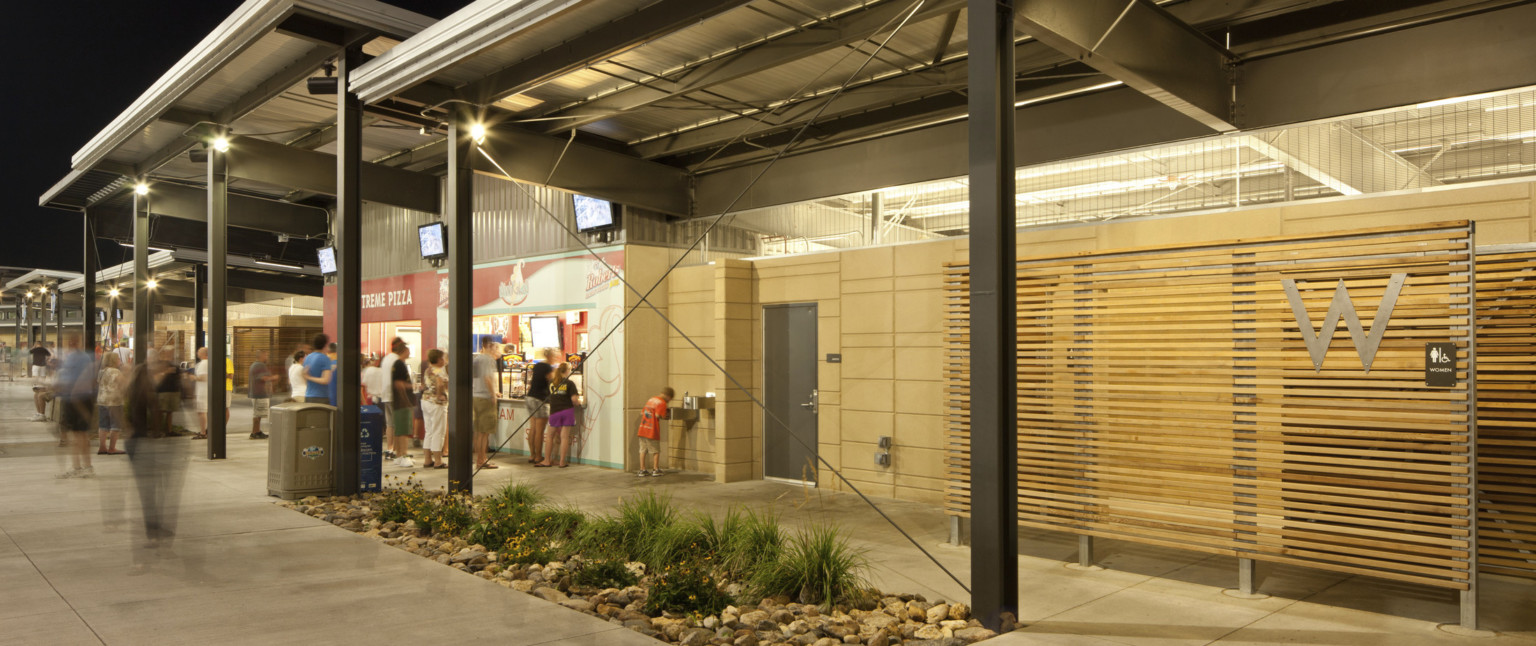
299	461
370	450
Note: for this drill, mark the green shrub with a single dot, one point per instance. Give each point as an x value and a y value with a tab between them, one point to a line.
601	537
646	513
680	542
750	539
605	573
519	495
685	588
818	566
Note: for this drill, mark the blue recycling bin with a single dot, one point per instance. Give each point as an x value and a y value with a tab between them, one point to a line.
370	450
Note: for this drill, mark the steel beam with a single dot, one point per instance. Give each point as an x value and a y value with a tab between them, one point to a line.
218	306
819	37
589	170
461	286
1047	132
994	395
88	287
273	163
1141	44
1390	69
601	43
187	203
199	305
279	283
349	276
143	334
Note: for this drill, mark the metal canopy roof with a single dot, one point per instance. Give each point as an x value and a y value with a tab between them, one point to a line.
710	87
40	275
247	75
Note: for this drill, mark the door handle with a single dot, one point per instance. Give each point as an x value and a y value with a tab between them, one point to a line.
811	405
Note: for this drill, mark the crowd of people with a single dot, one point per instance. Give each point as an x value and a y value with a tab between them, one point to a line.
130	402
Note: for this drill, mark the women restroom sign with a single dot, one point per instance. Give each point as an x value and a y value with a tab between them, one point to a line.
1440	365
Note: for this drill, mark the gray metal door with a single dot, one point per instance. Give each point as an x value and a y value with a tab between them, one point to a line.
789	390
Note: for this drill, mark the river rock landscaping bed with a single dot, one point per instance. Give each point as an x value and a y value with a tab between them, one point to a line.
691	581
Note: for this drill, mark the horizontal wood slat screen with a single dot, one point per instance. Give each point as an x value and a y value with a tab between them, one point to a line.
1167	396
1506	426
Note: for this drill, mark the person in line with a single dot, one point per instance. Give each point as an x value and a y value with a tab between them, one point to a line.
167	380
259	391
42	393
77	402
373	382
650	431
434	407
125	355
200	394
40	356
538	409
418	421
400	400
483	391
110	384
386	392
296	383
564	397
317	372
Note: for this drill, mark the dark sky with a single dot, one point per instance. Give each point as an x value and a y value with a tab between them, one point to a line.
73	67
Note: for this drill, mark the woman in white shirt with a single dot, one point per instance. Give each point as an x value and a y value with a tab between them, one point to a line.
296	382
200	373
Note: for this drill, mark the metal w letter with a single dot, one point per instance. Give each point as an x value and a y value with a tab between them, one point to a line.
1365	343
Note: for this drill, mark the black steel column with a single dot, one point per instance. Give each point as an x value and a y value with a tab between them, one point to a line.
88	289
143	334
349	281
218	280
994	429
199	306
461	266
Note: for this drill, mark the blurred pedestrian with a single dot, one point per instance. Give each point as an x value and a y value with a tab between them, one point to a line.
166	377
400	382
110	383
259	391
157	459
40	356
76	389
386	392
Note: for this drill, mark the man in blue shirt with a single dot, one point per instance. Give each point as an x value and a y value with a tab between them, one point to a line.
317	371
76	387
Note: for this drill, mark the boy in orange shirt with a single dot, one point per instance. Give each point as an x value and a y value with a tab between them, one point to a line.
650	431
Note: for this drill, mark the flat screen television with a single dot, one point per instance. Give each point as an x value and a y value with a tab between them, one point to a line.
434	240
545	331
593	214
327	261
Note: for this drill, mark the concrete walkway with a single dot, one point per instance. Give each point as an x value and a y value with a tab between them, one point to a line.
76	568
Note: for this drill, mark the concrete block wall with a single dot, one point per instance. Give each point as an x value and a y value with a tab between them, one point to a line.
881	310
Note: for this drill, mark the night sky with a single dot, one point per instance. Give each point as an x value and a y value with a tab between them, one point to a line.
73	67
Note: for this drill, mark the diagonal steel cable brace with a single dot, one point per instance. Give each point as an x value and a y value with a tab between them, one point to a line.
644	298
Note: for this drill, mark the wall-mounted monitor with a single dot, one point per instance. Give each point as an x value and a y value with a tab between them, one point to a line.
434	240
327	261
593	214
545	331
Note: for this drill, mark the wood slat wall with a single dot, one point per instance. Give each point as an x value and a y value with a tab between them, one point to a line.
1166	397
1506	374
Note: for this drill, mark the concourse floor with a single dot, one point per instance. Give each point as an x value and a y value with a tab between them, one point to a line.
77	568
